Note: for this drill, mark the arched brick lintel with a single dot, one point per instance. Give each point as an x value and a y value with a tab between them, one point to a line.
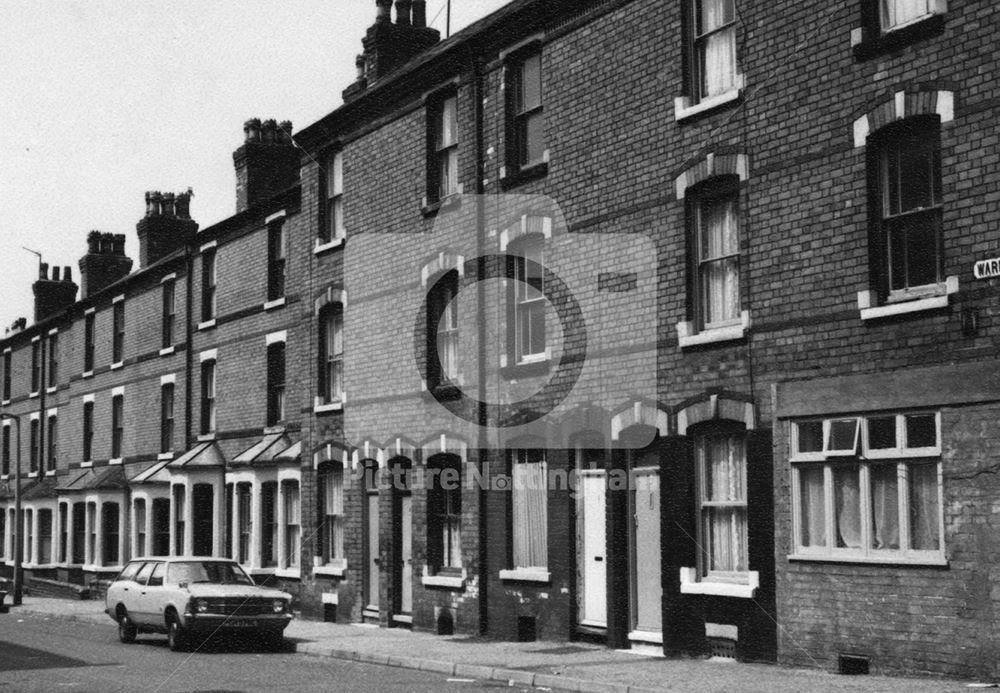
904	104
715	407
729	164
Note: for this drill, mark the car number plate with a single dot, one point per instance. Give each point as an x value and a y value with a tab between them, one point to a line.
242	622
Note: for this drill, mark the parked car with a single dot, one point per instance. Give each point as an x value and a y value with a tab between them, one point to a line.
192	598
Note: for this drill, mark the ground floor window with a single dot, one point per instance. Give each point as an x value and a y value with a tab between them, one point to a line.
161	527
529	517
331	480
269	523
110	513
140	527
883	503
244	523
722	504
63	532
44	536
293	523
179	524
3	534
78	551
444	512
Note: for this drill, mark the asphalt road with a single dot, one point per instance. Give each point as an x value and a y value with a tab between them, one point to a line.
49	655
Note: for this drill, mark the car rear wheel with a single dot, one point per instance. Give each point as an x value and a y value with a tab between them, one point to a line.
176	636
126	629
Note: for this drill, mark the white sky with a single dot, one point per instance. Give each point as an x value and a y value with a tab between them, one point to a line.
102	100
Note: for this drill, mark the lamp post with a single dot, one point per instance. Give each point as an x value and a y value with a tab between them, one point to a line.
18	520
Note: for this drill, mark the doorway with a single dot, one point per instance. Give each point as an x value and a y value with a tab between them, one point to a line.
646	591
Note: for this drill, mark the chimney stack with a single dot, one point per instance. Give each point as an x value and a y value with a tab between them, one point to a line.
266	164
388	46
105	262
55	294
167	226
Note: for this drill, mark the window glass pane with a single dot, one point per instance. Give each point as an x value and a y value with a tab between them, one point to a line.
718	62
896	12
810	436
335	176
530	514
924	511
716	13
725	470
921	430
447	134
530	91
881	432
921	251
725	530
843	435
885	506
812	503
533	138
847	506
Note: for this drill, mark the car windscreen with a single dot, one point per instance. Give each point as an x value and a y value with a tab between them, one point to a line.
215	572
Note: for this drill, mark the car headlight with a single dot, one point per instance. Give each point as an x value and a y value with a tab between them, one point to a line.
278	605
201	605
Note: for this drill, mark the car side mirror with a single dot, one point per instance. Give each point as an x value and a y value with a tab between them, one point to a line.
182	585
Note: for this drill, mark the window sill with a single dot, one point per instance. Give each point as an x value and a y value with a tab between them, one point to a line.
524	174
207	324
321	408
32	475
932	298
452	201
446	578
688	336
293	573
87	374
690	584
685	110
206	437
115	460
4	403
937	561
51	390
166	351
328	246
867	44
88	463
337	569
276	303
526	575
116	365
51	472
32	395
165	456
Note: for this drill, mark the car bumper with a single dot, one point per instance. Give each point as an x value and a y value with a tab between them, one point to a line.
211	623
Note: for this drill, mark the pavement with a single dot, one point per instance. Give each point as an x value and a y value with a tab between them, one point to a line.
560	666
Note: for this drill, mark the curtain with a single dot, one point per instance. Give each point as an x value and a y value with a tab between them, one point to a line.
896	12
813	506
848	506
924	510
720	261
885	506
530	515
724	465
719	47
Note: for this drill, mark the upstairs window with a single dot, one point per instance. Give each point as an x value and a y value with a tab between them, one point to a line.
716	241
331	354
36	366
53	448
34	443
275	383
53	366
118	332
88	343
277	256
715	67
529	298
443	159
331	481
5	453
208	285
169	314
166	417
909	213
333	228
527	118
208	397
88	431
442	331
7	363
117	425
894	14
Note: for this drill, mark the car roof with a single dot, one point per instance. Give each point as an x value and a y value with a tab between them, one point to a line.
176	559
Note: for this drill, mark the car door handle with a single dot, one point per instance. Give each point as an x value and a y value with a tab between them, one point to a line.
598	558
124	589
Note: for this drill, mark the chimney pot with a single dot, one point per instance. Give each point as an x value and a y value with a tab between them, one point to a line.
182	205
419	13
43	270
403	12
168	204
67	274
55	274
251	130
285	132
267	129
383	8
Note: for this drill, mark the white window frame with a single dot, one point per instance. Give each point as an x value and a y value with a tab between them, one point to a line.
524	303
701	453
446	150
933	7
904	457
334	227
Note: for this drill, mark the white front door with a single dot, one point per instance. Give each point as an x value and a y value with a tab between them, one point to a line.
373	553
593	588
406	555
647	592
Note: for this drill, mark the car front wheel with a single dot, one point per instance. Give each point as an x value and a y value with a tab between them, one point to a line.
176	636
126	629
